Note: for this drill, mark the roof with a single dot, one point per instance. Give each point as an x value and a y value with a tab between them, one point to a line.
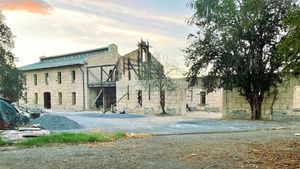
76	58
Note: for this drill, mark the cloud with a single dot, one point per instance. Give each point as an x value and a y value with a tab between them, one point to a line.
33	6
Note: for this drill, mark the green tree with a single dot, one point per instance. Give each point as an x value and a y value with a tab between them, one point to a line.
236	43
11	79
289	47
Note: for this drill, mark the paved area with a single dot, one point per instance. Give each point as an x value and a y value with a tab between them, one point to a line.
201	122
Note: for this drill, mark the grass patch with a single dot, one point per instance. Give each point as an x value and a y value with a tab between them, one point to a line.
3	142
66	138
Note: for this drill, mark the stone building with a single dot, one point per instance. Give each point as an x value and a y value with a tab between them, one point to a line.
286	105
99	79
135	95
72	81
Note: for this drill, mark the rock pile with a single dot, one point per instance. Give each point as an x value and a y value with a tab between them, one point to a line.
55	122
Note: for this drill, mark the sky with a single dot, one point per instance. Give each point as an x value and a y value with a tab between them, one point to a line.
52	27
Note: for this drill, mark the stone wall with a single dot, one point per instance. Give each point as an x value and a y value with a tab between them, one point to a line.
66	88
213	101
286	106
175	100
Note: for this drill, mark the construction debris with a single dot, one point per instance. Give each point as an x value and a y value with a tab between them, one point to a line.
12	135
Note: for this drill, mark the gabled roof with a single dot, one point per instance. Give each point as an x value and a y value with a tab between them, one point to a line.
76	58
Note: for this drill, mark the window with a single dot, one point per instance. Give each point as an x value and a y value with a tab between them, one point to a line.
73	98
202	98
59	77
60	98
25	98
46	78
35	79
25	80
73	75
149	93
127	92
140	99
36	99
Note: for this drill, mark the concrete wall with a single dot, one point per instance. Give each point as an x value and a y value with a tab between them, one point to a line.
175	101
286	106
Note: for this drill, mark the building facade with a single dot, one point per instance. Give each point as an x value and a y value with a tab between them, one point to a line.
70	81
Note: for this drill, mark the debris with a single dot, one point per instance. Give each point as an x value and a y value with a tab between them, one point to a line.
193	154
12	135
297	134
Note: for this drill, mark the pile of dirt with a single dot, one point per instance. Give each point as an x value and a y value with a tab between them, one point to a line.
55	122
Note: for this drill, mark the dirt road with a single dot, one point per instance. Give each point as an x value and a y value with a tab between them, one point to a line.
256	149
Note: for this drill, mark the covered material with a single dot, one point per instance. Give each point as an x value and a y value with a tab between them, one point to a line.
10	116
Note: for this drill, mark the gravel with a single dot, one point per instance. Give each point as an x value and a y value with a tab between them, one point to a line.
56	122
222	150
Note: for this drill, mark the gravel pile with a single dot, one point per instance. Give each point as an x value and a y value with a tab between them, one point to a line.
55	122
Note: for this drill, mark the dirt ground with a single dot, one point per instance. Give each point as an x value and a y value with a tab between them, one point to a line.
256	149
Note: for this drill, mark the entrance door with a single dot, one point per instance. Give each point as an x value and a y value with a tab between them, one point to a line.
47	100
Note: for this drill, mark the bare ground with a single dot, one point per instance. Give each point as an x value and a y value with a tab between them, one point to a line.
256	149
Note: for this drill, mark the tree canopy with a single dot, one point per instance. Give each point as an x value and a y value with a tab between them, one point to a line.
11	79
237	42
289	47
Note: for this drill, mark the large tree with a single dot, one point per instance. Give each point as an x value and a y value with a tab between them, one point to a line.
11	79
289	47
236	43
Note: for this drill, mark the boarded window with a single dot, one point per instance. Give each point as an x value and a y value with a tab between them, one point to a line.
60	98
36	99
35	79
73	76
202	98
140	97
73	98
59	77
46	78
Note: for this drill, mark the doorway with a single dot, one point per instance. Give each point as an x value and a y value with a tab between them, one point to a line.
47	100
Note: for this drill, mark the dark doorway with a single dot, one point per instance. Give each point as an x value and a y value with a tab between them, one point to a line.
47	100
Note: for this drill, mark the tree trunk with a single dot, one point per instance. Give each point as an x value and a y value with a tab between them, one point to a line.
255	103
162	101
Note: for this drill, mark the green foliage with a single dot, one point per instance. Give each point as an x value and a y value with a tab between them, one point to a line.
70	138
237	43
4	143
289	47
11	79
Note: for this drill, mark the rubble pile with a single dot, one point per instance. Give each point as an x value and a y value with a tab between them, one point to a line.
33	110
